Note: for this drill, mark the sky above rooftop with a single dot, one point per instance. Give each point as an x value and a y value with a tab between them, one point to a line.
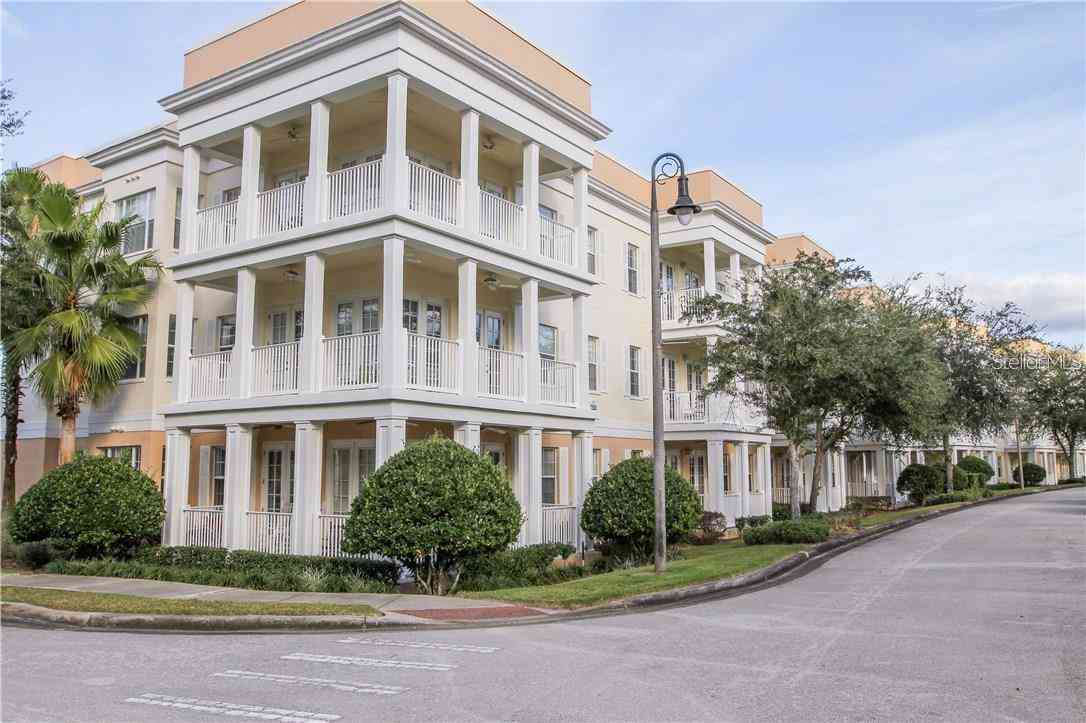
920	137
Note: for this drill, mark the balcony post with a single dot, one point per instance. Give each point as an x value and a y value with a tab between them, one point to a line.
529	483
190	198
582	476
308	456
744	477
736	268
469	169
580	351
241	358
309	374
580	217
248	226
530	186
714	488
176	491
467	271
182	353
316	183
391	438
765	468
395	163
529	337
467	434
393	343
708	251
239	481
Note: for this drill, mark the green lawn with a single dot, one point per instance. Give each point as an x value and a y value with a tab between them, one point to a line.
93	602
699	564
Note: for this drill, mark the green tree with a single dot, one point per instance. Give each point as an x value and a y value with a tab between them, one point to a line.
11	120
78	351
1053	385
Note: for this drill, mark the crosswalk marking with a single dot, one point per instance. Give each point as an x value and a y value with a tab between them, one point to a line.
368	662
237	710
345	686
422	646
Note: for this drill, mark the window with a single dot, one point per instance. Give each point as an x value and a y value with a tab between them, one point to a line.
345	319
597	464
632	268
278	327
341	480
371	315
433	320
231	194
139	236
136	368
171	340
636	453
411	315
694	378
593	250
550	475
129	454
162	472
218	475
548	213
177	221
697	473
548	342
596	382
633	371
727	477
226	330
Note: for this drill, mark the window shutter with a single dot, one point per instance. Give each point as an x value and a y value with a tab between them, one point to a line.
626	369
204	490
601	365
563	476
625	261
606	460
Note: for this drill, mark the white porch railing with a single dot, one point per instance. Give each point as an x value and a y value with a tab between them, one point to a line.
684	408
332	529
557	382
216	226
501	220
556	242
279	209
434	194
352	361
675	303
210	376
866	488
433	363
275	368
269	532
353	190
203	526
501	374
560	524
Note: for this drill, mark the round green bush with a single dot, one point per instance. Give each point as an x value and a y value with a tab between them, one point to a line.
91	507
976	466
1035	473
919	481
433	507
619	508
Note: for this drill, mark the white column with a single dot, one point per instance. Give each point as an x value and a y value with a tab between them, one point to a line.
736	267
530	183
580	216
580	350
391	438
714	468
395	163
582	474
744	480
238	486
708	251
308	461
393	344
190	198
309	377
467	434
316	182
767	479
469	168
529	336
178	449
250	182
467	272
529	481
241	359
182	348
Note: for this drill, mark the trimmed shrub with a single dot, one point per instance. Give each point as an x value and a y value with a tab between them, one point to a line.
783	510
784	532
619	508
1072	481
920	481
1035	473
976	466
35	554
752	521
520	567
91	507
434	507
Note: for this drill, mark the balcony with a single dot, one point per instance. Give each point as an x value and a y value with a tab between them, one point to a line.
690	408
675	303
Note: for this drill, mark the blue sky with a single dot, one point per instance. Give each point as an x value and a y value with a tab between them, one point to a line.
920	137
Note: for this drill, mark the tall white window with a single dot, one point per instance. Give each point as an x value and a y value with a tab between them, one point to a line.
139	236
345	319
633	266
371	315
550	475
341	480
218	475
597	464
596	369
548	342
411	315
226	328
137	367
697	472
177	221
171	342
593	251
129	454
633	371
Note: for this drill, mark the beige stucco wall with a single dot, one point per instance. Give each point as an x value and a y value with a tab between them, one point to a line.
785	249
71	171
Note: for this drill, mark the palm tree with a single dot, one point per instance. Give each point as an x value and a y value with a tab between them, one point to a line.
79	350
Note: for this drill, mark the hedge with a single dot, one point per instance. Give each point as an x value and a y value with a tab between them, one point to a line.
785	532
519	567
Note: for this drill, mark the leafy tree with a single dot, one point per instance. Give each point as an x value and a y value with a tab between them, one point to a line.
1053	386
11	120
79	350
1034	474
434	507
919	481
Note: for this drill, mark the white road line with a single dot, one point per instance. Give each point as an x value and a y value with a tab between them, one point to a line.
341	685
367	662
422	646
237	710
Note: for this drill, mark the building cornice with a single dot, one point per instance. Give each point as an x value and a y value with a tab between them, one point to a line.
139	142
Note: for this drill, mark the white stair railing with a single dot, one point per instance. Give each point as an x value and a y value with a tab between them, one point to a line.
216	226
501	374
560	524
203	526
501	220
210	377
275	368
352	361
557	382
684	408
434	194
433	363
280	209
556	242
354	190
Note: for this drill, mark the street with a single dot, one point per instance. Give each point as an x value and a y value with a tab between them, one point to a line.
975	616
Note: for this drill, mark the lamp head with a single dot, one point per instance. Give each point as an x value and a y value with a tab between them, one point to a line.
684	208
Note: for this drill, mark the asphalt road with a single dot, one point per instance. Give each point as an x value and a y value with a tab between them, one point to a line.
976	616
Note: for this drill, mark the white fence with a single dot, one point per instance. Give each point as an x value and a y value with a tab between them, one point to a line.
203	526
216	226
275	368
675	303
560	524
434	194
332	529
433	363
210	378
557	382
269	532
501	220
353	190
352	361
557	242
280	209
501	374
684	407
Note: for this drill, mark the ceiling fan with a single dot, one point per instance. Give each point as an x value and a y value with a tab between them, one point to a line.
487	143
491	282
